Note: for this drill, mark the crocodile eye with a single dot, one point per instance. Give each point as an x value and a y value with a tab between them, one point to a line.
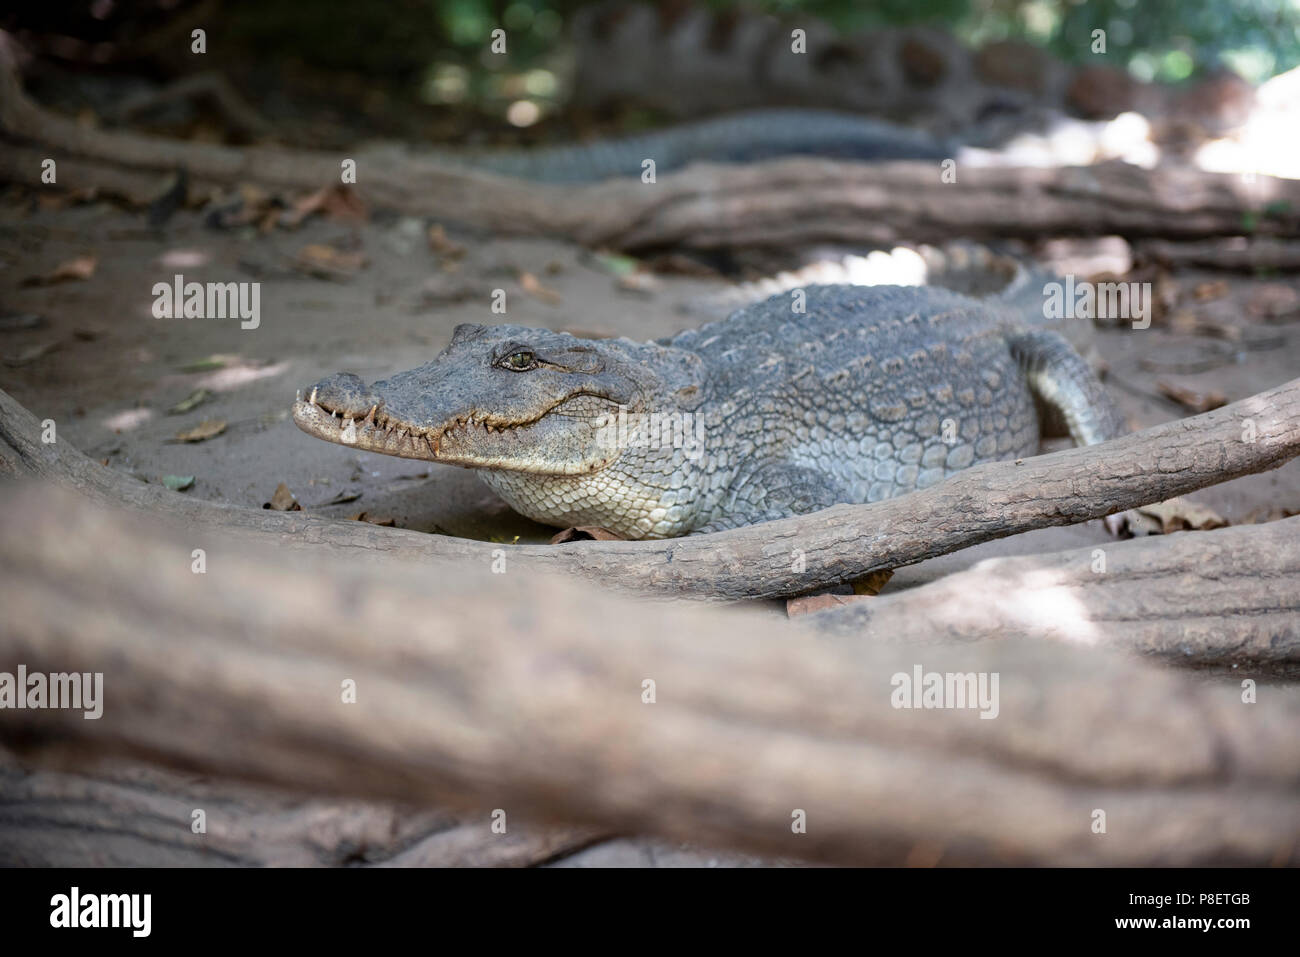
518	361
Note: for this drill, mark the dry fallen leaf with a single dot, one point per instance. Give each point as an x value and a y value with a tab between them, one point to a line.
1270	513
639	283
871	583
1274	301
340	498
207	429
1207	291
282	500
442	245
326	262
811	603
190	402
585	533
1190	399
535	289
82	268
384	520
75	197
681	264
336	202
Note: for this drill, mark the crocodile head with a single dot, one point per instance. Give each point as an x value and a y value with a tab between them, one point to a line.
499	397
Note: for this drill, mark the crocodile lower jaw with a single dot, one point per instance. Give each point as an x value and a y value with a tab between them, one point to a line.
373	433
377	432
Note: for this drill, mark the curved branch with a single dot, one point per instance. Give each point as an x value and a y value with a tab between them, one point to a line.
790	556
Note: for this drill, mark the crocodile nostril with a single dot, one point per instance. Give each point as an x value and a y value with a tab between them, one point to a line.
345	394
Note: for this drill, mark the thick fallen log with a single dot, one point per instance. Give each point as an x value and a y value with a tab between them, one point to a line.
128	816
779	558
527	693
1217	599
1235	253
792	201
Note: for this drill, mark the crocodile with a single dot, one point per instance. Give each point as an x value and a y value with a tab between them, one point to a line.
820	396
745	137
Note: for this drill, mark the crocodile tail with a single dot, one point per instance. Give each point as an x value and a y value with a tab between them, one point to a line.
965	267
1066	390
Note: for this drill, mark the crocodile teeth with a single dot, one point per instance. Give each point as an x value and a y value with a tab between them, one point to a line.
312	400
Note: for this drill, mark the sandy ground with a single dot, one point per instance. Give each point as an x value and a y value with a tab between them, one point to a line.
115	370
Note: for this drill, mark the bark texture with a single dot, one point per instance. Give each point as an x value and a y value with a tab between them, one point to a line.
528	693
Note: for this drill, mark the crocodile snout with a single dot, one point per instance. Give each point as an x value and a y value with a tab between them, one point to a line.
344	394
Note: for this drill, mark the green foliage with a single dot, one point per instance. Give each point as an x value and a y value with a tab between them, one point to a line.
1157	39
1171	39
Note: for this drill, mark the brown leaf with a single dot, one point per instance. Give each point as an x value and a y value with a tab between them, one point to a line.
1269	513
81	268
74	197
585	533
638	283
808	604
1208	291
535	289
440	244
871	583
337	203
1273	301
283	500
1190	399
207	429
384	520
341	498
681	264
326	262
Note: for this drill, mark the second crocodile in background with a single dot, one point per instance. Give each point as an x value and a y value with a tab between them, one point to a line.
866	394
